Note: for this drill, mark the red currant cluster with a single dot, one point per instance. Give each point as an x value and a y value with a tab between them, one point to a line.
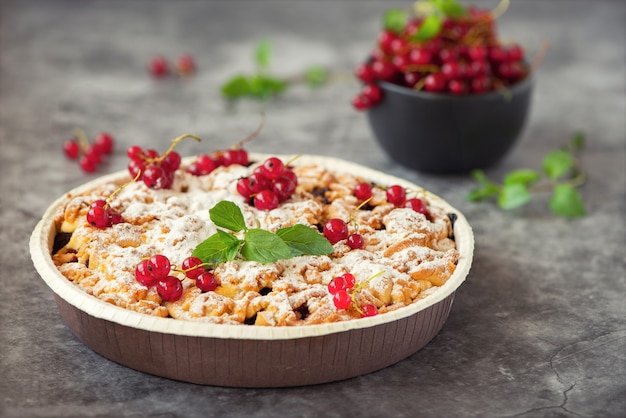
159	66
463	57
157	172
396	195
336	230
92	154
156	271
343	289
270	184
205	164
100	215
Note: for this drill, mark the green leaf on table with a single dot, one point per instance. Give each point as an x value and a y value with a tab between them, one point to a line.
394	20
227	215
263	54
236	87
264	87
263	246
557	163
567	202
304	240
524	176
488	189
513	196
450	8
429	29
217	248
315	76
578	141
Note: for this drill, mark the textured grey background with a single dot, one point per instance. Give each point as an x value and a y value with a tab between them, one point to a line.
538	328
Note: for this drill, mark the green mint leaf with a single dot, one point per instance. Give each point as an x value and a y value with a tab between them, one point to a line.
429	29
482	193
567	202
262	54
315	76
264	247
394	20
218	248
481	177
236	87
451	8
557	163
265	87
513	196
304	240
227	215
524	176
578	141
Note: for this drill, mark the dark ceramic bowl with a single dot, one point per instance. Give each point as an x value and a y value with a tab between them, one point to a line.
446	134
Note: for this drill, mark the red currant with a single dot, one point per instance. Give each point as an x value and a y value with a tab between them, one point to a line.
355	241
337	284
335	230
266	200
365	73
171	162
192	266
206	282
372	92
185	64
272	168
71	148
396	195
418	206
104	143
98	217
350	280
342	299
368	310
170	288
87	164
363	191
143	274
283	188
158	66
159	266
435	83
154	177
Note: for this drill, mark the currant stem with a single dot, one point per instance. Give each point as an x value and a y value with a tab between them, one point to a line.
82	139
119	189
252	135
358	287
175	142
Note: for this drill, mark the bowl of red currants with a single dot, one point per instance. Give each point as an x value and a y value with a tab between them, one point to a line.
441	92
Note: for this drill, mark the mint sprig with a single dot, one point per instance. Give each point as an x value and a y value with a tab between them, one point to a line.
261	84
561	176
257	244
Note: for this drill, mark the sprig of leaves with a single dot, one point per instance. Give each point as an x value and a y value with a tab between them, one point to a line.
561	175
257	244
433	12
261	84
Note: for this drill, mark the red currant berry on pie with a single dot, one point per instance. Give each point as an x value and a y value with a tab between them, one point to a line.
104	143
363	191
235	156
272	168
418	206
283	188
337	284
350	280
335	230
159	266
355	241
115	218
171	162
243	187
154	177
206	282
342	300
135	153
158	66
368	310
136	166
71	148
98	217
266	200
143	274
396	195
206	164
170	288
257	182
193	267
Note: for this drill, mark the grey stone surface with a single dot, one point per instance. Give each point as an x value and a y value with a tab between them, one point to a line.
538	328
